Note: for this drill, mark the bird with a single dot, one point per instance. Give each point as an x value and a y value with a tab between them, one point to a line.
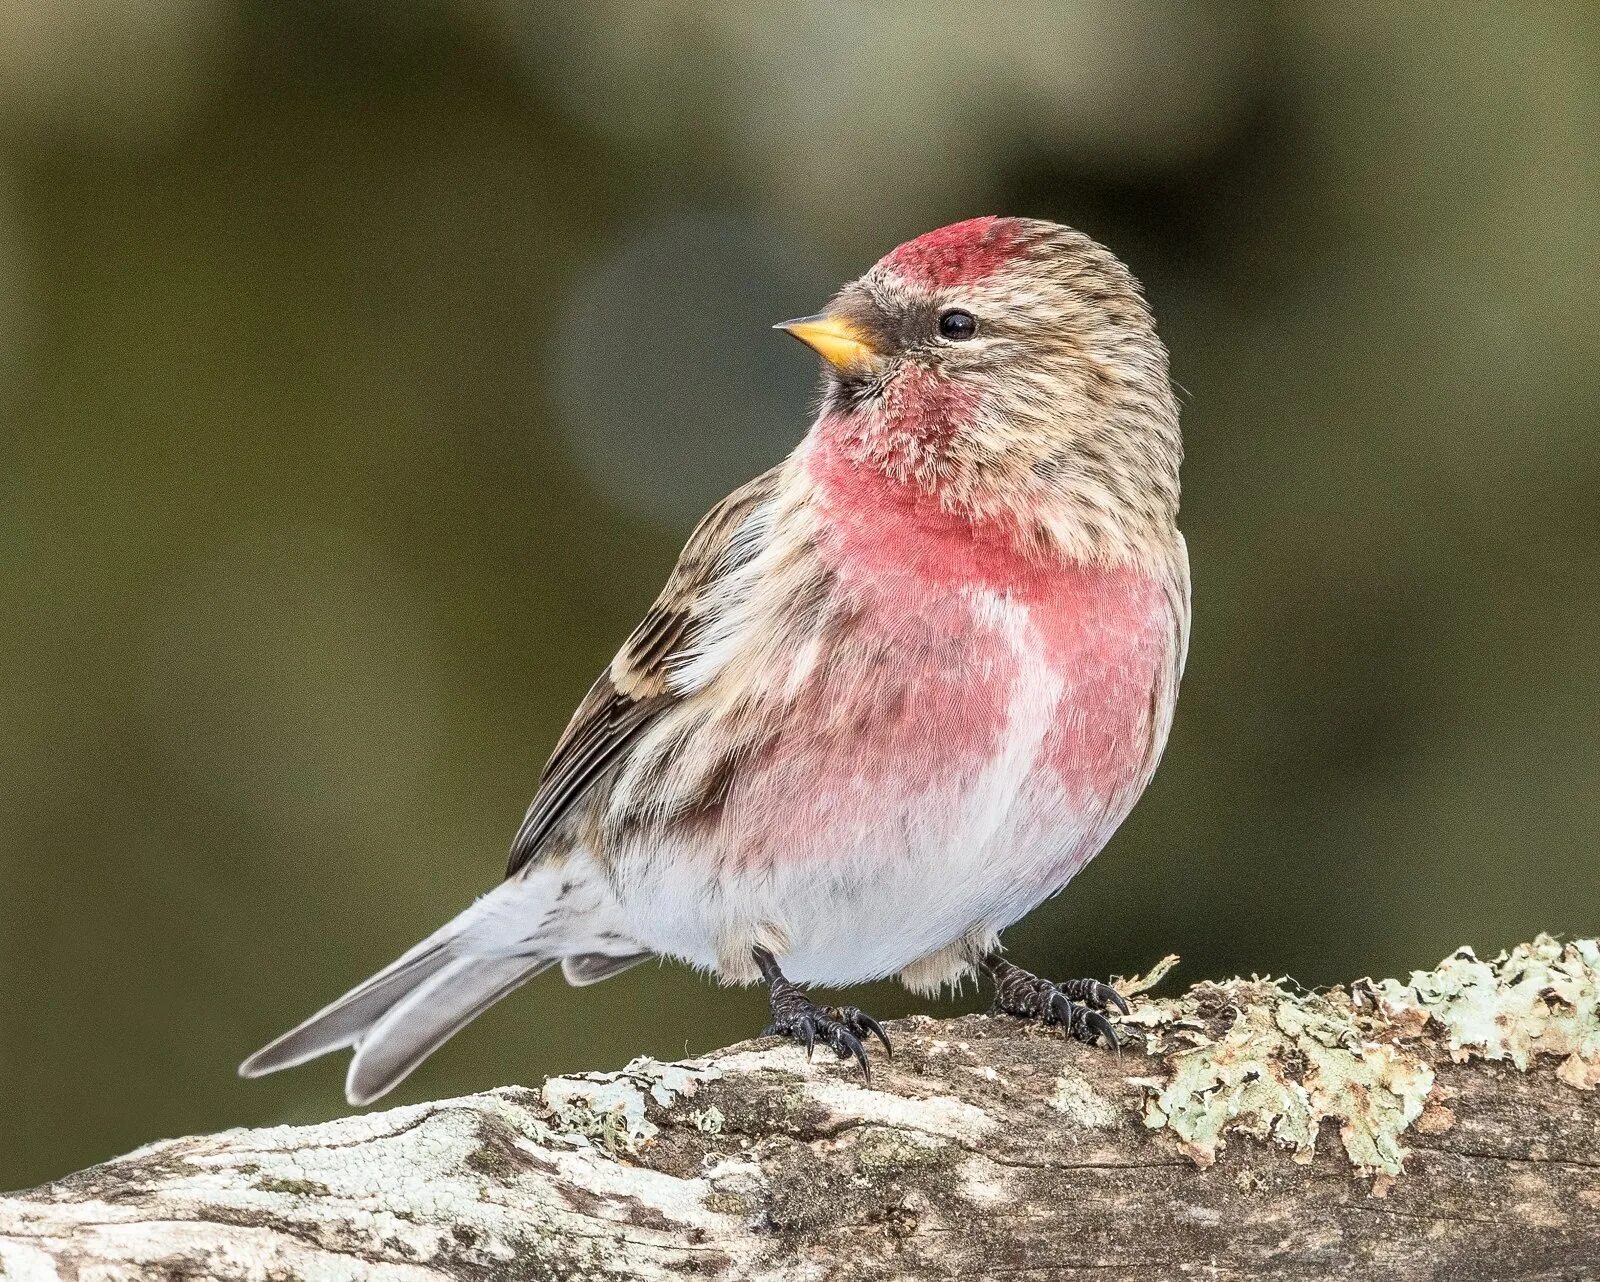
895	693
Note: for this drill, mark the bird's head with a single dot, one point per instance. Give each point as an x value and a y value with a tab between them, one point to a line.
1011	367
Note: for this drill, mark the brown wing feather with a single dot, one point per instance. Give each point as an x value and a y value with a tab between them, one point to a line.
634	690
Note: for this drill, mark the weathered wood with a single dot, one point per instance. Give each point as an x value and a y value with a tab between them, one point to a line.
1448	1126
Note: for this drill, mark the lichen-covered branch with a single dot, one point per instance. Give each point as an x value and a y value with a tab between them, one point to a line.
1445	1126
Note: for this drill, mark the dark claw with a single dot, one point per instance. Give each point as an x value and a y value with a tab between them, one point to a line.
840	1027
1105	995
861	1021
1099	1026
847	1044
1077	1004
1094	993
1060	1010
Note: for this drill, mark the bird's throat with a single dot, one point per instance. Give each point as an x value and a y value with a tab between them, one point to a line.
926	480
911	518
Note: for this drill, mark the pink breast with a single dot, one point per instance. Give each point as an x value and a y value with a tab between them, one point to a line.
1108	633
919	689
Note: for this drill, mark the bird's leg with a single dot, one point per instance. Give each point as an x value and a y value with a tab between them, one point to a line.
796	1015
1075	1004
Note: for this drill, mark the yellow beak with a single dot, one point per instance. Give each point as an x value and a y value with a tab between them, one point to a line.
837	341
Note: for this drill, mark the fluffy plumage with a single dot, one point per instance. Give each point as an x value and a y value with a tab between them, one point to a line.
897	690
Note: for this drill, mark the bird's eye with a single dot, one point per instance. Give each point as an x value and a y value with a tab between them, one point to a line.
957	325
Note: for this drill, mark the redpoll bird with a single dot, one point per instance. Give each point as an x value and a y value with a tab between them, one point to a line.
895	693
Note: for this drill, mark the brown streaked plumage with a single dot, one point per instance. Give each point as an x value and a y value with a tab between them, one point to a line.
635	687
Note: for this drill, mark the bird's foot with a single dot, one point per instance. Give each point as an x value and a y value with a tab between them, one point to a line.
1078	1005
796	1016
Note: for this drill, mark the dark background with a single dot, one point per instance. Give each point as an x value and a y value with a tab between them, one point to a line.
363	366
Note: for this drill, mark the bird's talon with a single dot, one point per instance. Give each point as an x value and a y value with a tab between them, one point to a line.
861	1024
876	1029
1114	998
1099	1026
839	1027
1078	1005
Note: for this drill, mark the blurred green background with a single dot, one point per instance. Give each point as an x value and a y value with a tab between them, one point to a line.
363	366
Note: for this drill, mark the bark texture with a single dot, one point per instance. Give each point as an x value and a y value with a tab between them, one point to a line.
1443	1126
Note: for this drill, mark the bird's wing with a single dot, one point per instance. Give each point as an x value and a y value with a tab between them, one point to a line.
636	689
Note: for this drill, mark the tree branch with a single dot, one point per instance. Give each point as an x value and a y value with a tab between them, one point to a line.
1445	1126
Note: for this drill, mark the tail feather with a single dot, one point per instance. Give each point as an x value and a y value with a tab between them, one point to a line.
428	1016
342	1022
409	1009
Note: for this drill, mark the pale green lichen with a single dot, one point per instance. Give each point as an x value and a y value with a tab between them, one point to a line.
610	1109
296	1188
1286	1062
885	1152
1137	985
1263	1058
727	1204
709	1120
1541	998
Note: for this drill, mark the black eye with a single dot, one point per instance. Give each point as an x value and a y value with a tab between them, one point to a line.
957	325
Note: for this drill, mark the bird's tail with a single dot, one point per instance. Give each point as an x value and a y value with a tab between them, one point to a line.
405	1012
